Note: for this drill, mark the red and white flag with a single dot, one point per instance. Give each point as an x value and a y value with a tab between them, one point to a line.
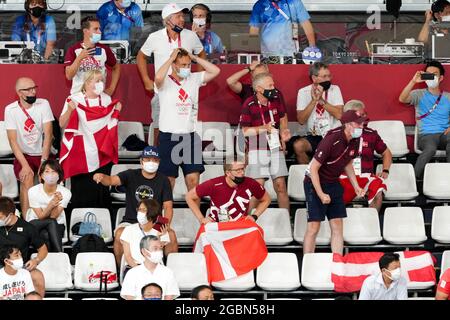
231	248
90	139
349	272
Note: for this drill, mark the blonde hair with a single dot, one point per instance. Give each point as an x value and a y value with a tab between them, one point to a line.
354	105
88	76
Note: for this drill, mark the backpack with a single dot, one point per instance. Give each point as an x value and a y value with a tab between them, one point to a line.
133	143
88	243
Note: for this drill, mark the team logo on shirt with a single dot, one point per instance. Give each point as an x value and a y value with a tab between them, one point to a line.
320	154
365	144
352	153
182	95
144	192
29	125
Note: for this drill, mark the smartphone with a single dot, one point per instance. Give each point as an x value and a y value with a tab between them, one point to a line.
427	76
98	51
160	221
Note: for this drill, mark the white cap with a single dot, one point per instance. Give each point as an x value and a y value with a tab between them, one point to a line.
171	8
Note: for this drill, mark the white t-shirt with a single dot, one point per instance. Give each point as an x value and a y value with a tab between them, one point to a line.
179	103
15	287
29	135
320	124
40	199
133	234
139	276
80	99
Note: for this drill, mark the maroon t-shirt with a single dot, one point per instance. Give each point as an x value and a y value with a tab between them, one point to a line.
234	200
334	152
371	142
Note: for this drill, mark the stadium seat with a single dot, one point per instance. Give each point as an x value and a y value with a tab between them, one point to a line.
244	282
127	128
316	271
237	299
438	154
268	185
103	218
283	299
276	224
436	181
421	298
189	269
211	171
362	226
5	148
9	181
445	262
87	262
393	134
99	298
185	225
56	298
183	299
404	225
119	216
221	135
115	170
413	285
279	272
180	189
300	223
65	238
295	182
57	271
440	224
401	182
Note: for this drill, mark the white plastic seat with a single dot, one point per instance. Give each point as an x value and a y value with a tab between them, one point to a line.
436	181
283	299
404	225
99	298
9	181
445	262
183	299
414	285
211	171
57	271
221	134
316	271
126	128
185	225
268	185
65	238
401	182
295	182
87	262
438	154
237	299
300	223
189	269
244	282
362	226
393	134
103	218
180	189
279	272
5	148
276	224
119	216
115	170
440	224
56	298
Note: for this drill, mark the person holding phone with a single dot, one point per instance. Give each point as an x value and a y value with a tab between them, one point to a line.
201	24
319	107
88	55
432	113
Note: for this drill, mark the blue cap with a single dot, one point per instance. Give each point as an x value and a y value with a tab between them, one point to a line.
150	151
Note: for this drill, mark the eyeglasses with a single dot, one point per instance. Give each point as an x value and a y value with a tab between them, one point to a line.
29	89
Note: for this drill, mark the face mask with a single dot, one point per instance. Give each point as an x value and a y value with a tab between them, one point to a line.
16	264
270	93
155	256
395	274
200	21
446	19
30	99
37	12
433	83
357	133
152	298
150	166
184	72
176	28
99	87
50	178
5	221
325	85
238	180
126	3
142	218
96	37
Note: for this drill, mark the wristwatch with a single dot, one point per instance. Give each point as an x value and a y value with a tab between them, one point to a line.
255	217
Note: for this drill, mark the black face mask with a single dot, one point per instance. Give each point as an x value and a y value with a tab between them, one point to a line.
30	99
238	180
325	85
37	12
177	29
270	94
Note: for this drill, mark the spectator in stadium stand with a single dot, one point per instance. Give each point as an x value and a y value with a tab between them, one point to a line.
202	292
319	106
33	295
90	55
47	202
162	43
178	91
440	12
28	123
36	26
147	213
118	17
15	281
388	284
18	233
201	17
264	122
277	22
443	288
152	270
369	143
324	193
86	193
230	195
152	291
140	184
432	114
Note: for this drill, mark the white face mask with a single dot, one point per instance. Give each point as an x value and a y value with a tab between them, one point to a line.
200	21
155	256
142	218
395	274
5	221
50	178
446	18
150	166
99	87
433	83
16	264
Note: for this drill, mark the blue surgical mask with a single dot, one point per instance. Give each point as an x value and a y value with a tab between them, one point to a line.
96	37
5	221
126	3
184	72
152	298
357	132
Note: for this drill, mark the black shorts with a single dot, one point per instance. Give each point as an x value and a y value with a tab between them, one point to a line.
313	141
316	209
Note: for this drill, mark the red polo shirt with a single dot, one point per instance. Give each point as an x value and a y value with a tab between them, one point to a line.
371	142
444	283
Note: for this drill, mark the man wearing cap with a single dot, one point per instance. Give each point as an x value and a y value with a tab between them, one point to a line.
324	193
139	184
161	44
